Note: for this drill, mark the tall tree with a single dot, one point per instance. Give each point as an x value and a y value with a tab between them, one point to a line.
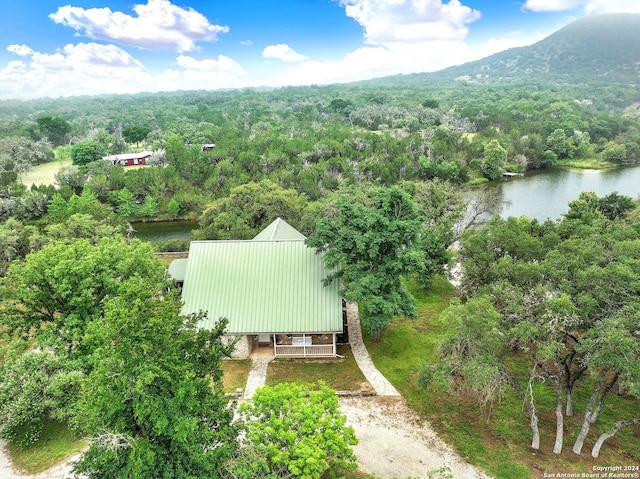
55	128
153	404
86	152
373	239
473	356
60	289
35	387
248	209
494	159
567	292
135	133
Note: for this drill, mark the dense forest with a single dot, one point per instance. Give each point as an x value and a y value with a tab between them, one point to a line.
307	139
387	161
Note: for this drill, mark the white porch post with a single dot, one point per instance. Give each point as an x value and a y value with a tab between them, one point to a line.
275	348
334	344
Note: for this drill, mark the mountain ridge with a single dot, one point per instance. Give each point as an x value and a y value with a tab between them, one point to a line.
599	49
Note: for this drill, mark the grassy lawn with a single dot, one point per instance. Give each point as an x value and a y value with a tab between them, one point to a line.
56	443
497	438
236	372
345	374
44	174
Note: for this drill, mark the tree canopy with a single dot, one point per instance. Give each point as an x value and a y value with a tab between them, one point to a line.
565	294
292	431
373	239
149	404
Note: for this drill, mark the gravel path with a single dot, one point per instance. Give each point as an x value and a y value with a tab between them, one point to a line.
380	384
396	443
257	375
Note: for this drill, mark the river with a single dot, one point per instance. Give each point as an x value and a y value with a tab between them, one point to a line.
546	194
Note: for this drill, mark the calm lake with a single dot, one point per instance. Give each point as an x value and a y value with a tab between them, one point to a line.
546	194
540	195
164	230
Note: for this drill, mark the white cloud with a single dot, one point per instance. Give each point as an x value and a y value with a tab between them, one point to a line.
590	6
209	74
159	24
376	61
91	69
552	5
410	21
223	64
283	52
496	45
406	36
612	6
82	69
20	50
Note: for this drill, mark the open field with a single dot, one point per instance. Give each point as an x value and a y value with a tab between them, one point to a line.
44	174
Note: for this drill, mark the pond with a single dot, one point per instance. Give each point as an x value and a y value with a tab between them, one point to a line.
546	194
164	230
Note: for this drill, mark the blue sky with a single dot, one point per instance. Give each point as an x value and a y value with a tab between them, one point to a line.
80	47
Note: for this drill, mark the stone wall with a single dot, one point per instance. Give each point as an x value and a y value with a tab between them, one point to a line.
244	345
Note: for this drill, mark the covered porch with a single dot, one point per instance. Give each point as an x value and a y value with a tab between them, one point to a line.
299	345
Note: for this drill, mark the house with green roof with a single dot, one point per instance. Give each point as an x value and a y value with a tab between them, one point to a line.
270	290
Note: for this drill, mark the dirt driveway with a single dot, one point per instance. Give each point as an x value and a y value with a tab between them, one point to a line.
396	443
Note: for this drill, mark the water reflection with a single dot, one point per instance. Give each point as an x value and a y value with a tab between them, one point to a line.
546	194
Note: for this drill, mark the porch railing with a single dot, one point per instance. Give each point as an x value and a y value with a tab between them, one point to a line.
314	350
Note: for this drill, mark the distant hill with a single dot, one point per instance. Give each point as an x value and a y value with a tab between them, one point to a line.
596	50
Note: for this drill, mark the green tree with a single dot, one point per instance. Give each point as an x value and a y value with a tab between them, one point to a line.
150	207
248	209
474	349
82	225
615	205
60	289
71	177
86	152
86	203
292	431
560	144
372	239
126	203
153	405
611	350
173	207
495	157
55	128
615	153
567	295
135	133
36	386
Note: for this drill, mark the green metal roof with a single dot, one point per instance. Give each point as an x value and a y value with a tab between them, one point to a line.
261	287
178	269
279	229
